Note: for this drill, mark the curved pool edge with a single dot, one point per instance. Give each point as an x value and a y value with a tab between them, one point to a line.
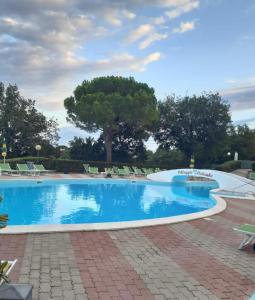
23	229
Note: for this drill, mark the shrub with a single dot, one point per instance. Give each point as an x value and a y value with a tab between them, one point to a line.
229	166
69	165
253	166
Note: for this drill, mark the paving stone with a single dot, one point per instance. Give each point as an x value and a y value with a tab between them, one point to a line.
161	275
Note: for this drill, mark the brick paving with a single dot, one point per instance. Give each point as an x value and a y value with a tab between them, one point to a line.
190	260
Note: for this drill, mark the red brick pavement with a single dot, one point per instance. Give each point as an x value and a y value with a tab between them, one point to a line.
105	272
220	279
12	247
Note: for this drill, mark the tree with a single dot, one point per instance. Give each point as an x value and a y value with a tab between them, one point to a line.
105	103
22	126
170	159
128	144
242	140
195	125
87	149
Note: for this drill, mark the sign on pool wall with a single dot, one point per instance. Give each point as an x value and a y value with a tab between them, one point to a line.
196	173
226	181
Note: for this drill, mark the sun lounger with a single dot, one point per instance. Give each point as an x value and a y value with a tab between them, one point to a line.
249	232
123	172
40	168
86	168
7	267
6	168
23	169
109	171
138	172
93	171
129	170
252	175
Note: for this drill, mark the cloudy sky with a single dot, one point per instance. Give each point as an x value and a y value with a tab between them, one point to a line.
48	47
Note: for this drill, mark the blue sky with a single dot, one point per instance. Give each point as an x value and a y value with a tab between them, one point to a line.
176	46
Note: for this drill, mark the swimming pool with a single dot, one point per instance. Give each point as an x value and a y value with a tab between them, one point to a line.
31	202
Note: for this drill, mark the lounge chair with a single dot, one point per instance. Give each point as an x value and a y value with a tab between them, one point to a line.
7	267
86	168
249	232
109	171
23	169
6	168
123	172
252	175
147	171
41	169
138	172
129	170
93	171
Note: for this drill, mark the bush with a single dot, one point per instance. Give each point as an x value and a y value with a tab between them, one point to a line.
253	166
76	166
229	166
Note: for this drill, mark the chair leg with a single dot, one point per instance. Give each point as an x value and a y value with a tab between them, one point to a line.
247	240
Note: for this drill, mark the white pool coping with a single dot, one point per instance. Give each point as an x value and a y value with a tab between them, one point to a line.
23	229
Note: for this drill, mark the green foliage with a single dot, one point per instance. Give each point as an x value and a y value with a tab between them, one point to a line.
253	166
229	166
87	149
242	140
105	103
172	159
22	125
197	126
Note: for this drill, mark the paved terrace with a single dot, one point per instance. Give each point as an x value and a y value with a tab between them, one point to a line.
191	260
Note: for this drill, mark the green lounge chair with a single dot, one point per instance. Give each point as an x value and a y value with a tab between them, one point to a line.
249	232
6	168
41	169
93	171
129	170
86	168
138	172
23	169
147	171
7	267
123	172
109	171
252	175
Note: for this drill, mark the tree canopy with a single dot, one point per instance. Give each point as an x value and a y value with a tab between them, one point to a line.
22	126
106	103
195	125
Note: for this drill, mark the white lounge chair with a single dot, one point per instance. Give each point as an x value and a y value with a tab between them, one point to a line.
249	231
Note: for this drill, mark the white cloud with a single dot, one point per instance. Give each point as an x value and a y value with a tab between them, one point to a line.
140	32
125	62
147	33
159	20
184	26
153	37
181	7
128	14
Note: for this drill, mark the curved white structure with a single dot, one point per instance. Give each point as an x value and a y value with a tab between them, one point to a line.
226	181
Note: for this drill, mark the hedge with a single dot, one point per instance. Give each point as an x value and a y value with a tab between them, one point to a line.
229	166
69	165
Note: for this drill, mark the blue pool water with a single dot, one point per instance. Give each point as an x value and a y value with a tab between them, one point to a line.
99	200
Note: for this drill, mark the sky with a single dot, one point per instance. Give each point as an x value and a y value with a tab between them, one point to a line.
182	47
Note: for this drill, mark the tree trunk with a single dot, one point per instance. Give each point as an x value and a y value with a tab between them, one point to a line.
108	144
